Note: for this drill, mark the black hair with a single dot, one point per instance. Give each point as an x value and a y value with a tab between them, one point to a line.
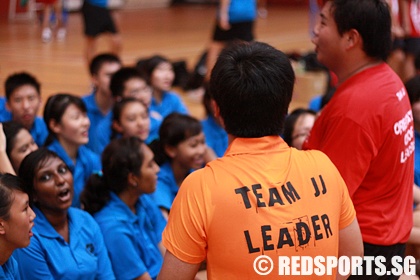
252	84
148	65
8	184
30	166
413	89
119	78
99	60
20	79
174	129
289	124
207	100
417	61
120	158
11	129
371	18
56	106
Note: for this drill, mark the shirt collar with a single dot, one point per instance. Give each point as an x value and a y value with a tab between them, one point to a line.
44	228
259	145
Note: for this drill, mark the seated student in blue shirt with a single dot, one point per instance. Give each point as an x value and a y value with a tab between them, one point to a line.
131	223
4	112
23	94
127	82
180	149
68	124
16	222
99	102
216	136
161	75
67	242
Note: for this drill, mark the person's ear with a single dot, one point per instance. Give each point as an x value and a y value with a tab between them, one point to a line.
171	151
117	127
54	126
216	113
132	180
2	226
95	80
353	38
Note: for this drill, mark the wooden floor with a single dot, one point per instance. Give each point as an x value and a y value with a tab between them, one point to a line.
180	32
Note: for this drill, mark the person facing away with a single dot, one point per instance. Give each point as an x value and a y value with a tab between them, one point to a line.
251	201
367	127
180	149
131	223
23	94
67	242
99	102
68	125
16	223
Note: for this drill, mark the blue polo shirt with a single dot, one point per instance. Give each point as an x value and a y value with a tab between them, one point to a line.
87	163
39	131
216	136
5	114
132	239
9	270
49	256
166	187
171	102
95	116
102	135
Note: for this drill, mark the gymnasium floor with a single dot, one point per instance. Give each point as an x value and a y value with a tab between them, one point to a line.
179	32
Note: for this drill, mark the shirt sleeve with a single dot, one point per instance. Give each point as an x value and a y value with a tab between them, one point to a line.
348	213
185	234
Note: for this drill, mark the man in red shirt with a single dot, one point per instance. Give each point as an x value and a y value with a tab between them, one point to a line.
367	127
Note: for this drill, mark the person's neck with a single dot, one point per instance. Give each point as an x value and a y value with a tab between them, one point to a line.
157	95
130	198
58	220
70	148
180	172
355	68
104	102
6	252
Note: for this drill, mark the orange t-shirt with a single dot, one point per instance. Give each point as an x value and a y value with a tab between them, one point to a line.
260	198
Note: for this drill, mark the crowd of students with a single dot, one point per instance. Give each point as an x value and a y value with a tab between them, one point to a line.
91	154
